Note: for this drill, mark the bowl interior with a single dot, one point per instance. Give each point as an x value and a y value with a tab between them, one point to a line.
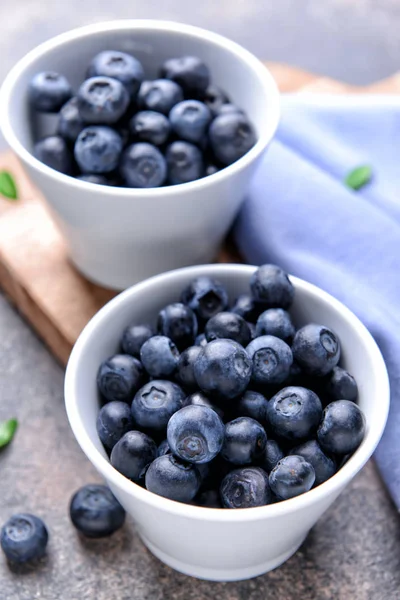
140	304
235	70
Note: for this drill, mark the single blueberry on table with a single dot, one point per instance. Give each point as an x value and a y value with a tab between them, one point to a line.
143	166
271	286
163	448
223	369
292	476
246	307
245	441
205	296
118	65
190	119
102	100
172	478
228	325
273	453
48	91
231	136
54	152
150	126
214	98
271	358
200	399
247	487
341	385
189	72
133	453
159	356
70	123
185	369
133	338
294	413
195	434
155	403
95	511
119	377
98	149
342	427
178	322
324	466
184	162
252	404
316	348
113	421
159	95
201	340
24	538
276	322
93	178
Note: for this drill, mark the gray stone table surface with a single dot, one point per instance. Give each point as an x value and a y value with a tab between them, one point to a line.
354	551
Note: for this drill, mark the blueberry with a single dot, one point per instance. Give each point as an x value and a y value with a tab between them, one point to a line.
185	370
159	356
134	337
341	385
272	359
70	123
294	413
189	72
184	162
292	476
190	120
229	109
245	488
210	170
23	538
273	453
133	453
323	465
98	149
231	136
155	403
97	179
178	322
119	377
159	95
163	448
245	441
102	100
214	98
228	325
271	286
169	477
254	405
150	126
200	399
95	511
118	65
208	499
316	348
48	91
342	427
143	166
201	340
223	369
205	296
277	322
54	152
246	307
113	421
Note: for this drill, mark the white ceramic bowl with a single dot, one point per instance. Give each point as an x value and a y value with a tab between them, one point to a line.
118	236
214	543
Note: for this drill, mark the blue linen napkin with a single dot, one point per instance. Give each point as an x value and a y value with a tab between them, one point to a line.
300	215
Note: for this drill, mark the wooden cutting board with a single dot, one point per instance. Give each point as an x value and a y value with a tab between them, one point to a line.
35	272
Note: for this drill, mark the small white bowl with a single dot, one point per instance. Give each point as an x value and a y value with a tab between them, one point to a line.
216	544
118	236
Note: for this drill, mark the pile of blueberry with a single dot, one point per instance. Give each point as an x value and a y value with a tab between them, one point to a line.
121	129
229	407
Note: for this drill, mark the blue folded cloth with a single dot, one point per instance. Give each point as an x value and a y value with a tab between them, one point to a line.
301	216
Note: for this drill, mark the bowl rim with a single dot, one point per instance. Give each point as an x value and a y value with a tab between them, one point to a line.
253	63
326	489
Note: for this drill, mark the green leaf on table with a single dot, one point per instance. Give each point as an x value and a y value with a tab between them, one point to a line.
358	177
7	431
8	189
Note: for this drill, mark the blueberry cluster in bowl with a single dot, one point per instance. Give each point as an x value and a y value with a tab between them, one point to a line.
120	128
229	407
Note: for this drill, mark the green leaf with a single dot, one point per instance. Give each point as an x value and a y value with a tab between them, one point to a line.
7	431
358	177
8	189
